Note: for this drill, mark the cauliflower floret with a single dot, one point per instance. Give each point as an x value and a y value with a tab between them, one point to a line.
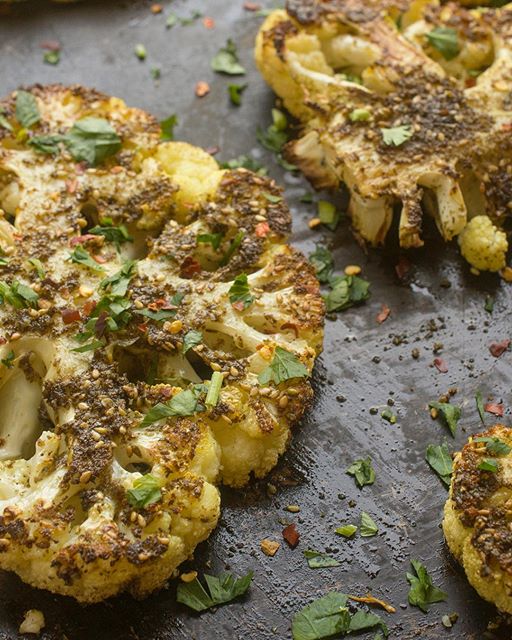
477	519
424	94
484	245
142	306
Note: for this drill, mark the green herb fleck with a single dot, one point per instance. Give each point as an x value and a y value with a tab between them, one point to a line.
214	239
439	458
271	197
140	51
146	490
38	266
396	136
235	93
191	339
346	530
220	590
240	293
450	414
328	214
27	111
184	403
346	291
362	471
494	446
422	592
226	60
79	255
323	262
368	528
446	41
118	235
284	366
317	560
212	397
92	140
488	464
18	295
8	360
167	127
360	115
245	162
489	304
52	57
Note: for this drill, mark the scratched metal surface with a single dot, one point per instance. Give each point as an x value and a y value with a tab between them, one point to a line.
406	501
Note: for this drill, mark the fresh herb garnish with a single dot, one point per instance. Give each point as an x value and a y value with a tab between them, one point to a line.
117	284
146	490
8	360
38	266
47	144
240	293
140	51
174	19
396	136
446	41
439	458
184	403
323	262
214	239
212	397
116	234
220	590
488	464
233	248
275	136
245	162
346	530
449	413
4	123
226	60
422	592
90	346
317	560
363	472
191	339
328	214
18	295
167	127
480	406
489	304
79	255
52	57
388	415
92	140
271	197
27	111
368	528
346	292
359	115
235	93
284	366
494	446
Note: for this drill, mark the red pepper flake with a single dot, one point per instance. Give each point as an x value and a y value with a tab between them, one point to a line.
71	185
156	8
81	239
202	89
498	348
262	229
89	307
209	23
507	127
495	409
143	327
252	6
238	306
99	259
51	45
470	82
440	365
384	314
213	151
403	267
189	267
70	315
117	169
3	340
291	535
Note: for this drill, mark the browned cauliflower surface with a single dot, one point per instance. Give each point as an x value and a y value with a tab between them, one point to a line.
156	338
407	102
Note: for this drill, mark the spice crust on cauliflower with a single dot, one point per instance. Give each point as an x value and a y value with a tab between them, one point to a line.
156	338
406	103
478	514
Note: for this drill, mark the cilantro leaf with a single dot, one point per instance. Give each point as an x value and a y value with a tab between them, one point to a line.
276	135
346	530
368	528
118	235
446	41
449	413
488	464
214	239
92	140
184	403
235	93
191	339
117	284
79	255
145	491
239	293
47	144
362	471
495	446
90	346
27	111
20	296
422	592
233	248
317	560
221	590
363	620
396	136
346	292
38	266
226	60
439	458
284	366
167	127
323	262
322	618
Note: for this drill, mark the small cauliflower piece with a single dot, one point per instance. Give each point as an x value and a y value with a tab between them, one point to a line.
477	516
33	622
436	137
484	245
142	301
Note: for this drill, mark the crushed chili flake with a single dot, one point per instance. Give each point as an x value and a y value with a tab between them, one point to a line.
239	305
81	239
143	327
291	535
117	169
189	267
99	259
156	8
403	267
498	348
262	229
70	315
213	151
51	45
202	89
440	365
269	547
208	22
252	6
495	409
89	307
384	314
71	185
369	599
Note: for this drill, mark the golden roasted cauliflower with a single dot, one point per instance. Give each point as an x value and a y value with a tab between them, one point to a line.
406	102
156	336
478	514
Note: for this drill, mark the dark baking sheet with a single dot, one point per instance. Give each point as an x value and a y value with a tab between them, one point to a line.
364	364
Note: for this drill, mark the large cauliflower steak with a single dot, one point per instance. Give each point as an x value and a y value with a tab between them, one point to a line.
406	103
156	336
478	516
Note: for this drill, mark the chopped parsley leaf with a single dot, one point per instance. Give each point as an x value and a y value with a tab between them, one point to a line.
439	458
362	471
8	360
449	413
235	93
346	291
116	234
214	239
422	592
368	528
167	127
446	41
495	446
346	530
323	262
240	293
488	464
191	339
27	111
184	403
284	366
396	136
145	491
226	60
221	590
317	560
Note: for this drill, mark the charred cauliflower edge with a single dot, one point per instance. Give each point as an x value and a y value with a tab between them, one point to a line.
406	102
478	514
156	336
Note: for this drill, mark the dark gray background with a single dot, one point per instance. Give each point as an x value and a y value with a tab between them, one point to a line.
97	40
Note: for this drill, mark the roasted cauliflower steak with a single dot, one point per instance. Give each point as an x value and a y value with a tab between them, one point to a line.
156	338
407	103
478	514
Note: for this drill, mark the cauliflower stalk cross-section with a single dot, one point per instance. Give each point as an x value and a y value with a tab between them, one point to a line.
433	83
146	301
